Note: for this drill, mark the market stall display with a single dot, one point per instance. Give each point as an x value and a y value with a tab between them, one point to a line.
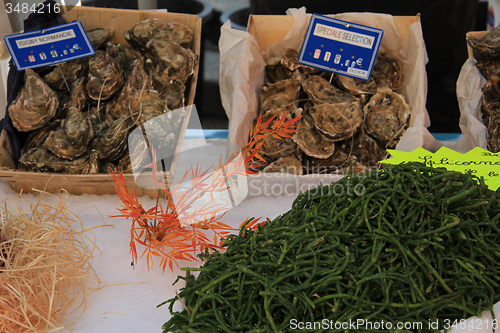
248	57
82	128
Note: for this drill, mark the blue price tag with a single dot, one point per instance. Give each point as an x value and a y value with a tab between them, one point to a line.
340	47
49	46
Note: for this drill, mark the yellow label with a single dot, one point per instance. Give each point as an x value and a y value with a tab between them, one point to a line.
479	161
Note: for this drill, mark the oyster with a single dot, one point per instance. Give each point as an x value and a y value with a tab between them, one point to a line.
489	67
355	166
328	165
386	116
99	36
35	104
98	119
108	167
110	144
124	164
288	87
310	140
124	55
275	71
146	105
152	28
320	90
37	137
173	94
289	164
70	140
490	98
277	147
41	159
173	62
494	133
366	149
386	73
486	47
71	70
105	76
278	101
339	119
290	60
78	98
137	81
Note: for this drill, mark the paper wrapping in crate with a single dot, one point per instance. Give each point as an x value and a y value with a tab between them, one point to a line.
469	91
243	57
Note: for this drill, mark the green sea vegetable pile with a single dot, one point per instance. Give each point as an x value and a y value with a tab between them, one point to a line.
408	243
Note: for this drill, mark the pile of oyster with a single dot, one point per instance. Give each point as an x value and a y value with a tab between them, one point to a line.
79	115
487	53
345	121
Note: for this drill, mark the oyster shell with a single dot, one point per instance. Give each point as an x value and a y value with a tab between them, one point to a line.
110	143
173	94
173	62
356	166
278	101
137	81
366	149
41	159
288	87
99	36
35	104
70	140
71	70
320	90
98	119
310	140
124	164
489	67
124	55
329	165
107	167
275	71
486	47
490	98
273	147
105	76
290	60
152	28
338	119
37	137
146	105
78	98
494	133
289	164
387	73
386	116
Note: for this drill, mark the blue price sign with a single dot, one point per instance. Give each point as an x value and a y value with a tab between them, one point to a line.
49	46
340	47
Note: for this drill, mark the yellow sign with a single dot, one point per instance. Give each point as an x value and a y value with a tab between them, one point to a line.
479	161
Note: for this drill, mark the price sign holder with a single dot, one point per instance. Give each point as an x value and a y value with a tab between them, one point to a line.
341	47
50	46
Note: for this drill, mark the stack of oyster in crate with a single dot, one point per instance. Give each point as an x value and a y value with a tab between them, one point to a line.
79	115
344	120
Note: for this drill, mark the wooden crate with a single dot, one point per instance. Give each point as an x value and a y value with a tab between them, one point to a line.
120	20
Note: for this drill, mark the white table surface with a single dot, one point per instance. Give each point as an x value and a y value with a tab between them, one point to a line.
128	303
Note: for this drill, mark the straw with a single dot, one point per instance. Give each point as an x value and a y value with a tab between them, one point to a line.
45	266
